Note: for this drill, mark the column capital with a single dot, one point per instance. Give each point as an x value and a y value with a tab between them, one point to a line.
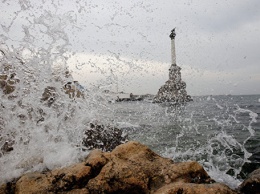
173	34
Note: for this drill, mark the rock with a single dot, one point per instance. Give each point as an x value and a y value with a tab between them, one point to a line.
191	188
7	188
134	168
129	168
61	180
7	147
8	82
74	89
49	95
252	183
106	138
174	90
8	78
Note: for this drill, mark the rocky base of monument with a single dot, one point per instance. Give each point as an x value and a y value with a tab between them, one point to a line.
174	90
129	168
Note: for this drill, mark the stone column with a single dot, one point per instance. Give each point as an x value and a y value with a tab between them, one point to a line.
173	55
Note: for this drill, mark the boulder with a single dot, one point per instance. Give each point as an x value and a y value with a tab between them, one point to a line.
8	82
49	95
252	183
74	89
106	138
129	168
191	188
61	180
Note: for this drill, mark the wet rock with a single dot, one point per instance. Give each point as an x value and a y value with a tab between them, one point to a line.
62	180
191	188
7	188
7	82
134	168
252	183
49	95
7	147
106	138
129	168
74	89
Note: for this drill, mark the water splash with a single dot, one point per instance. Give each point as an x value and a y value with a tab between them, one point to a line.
48	134
223	152
39	132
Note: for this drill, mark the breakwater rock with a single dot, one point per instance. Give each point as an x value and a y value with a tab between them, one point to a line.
129	168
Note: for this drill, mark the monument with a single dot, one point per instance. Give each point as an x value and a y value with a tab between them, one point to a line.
174	90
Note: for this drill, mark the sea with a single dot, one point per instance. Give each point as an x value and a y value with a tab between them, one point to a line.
221	132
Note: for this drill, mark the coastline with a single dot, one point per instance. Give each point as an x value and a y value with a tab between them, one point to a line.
129	168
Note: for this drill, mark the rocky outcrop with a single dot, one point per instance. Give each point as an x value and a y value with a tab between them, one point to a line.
252	183
129	168
8	79
174	90
106	138
72	89
49	95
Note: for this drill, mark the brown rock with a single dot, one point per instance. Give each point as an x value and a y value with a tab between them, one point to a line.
7	188
72	89
129	168
3	77
33	183
252	183
61	180
134	168
7	82
49	95
76	191
191	188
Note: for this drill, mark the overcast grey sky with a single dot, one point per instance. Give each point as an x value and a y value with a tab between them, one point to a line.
126	43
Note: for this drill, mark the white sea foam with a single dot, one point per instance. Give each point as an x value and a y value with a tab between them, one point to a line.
222	177
219	154
42	136
127	125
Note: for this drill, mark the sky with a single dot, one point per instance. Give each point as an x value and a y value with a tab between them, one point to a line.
125	45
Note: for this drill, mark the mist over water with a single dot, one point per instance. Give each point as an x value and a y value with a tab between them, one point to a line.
221	132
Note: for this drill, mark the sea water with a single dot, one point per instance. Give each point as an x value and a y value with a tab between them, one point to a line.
220	132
